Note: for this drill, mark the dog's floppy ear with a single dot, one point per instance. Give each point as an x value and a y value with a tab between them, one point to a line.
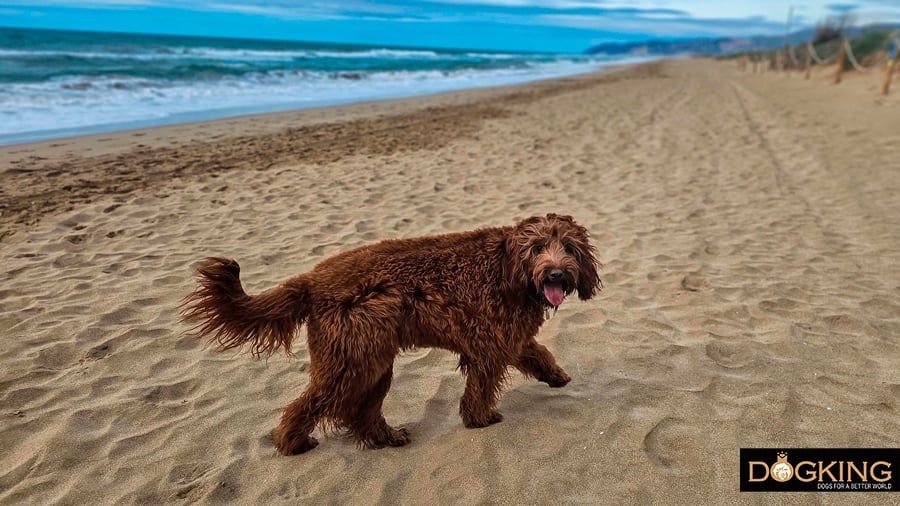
515	254
588	279
515	277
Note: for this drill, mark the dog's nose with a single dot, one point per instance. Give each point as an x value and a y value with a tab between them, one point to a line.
555	275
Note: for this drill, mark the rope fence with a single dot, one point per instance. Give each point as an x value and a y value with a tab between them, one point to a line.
786	58
815	56
852	58
793	56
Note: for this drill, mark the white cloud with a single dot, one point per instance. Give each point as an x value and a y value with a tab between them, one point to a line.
680	27
680	16
84	3
266	10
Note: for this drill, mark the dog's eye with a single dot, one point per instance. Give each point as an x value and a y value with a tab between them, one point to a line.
537	248
570	250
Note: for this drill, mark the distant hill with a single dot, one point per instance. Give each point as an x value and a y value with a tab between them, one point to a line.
719	46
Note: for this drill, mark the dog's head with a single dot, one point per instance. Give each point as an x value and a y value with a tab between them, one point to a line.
551	256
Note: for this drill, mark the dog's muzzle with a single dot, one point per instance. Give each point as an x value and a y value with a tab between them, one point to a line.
555	287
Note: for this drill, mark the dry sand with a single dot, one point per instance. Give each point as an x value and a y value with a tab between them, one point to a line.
748	226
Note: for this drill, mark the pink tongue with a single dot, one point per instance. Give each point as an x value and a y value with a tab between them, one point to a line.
554	294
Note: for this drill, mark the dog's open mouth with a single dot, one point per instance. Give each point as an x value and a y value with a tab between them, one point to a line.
555	293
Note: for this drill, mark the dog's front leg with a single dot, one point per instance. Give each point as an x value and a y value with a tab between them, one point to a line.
536	361
483	381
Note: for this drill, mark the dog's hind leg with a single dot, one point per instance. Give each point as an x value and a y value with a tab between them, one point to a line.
483	382
369	426
298	421
536	361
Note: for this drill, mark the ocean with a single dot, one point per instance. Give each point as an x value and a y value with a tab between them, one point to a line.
59	83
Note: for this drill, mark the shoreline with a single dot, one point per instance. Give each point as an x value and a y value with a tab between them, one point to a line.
28	171
313	109
225	112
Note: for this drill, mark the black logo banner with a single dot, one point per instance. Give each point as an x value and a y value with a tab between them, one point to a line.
819	469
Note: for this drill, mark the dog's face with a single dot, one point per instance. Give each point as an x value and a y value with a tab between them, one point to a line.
551	256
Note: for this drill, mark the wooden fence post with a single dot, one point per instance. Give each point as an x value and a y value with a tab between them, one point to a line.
840	62
808	62
886	85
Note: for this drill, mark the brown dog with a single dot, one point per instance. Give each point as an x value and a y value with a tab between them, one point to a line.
481	294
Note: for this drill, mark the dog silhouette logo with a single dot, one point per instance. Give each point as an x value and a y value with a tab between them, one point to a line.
782	470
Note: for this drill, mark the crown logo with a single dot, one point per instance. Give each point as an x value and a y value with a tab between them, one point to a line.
782	470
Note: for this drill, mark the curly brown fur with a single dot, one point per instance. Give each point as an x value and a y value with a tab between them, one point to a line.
481	294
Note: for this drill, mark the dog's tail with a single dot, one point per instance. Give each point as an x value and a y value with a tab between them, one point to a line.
222	312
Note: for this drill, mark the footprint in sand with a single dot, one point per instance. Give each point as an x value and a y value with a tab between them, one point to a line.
674	447
730	355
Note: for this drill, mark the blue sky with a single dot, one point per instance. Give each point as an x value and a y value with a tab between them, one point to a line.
525	25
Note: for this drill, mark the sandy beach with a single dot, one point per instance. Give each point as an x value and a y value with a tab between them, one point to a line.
747	225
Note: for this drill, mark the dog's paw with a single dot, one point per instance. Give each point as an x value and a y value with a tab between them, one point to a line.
298	447
558	379
388	437
475	423
399	437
